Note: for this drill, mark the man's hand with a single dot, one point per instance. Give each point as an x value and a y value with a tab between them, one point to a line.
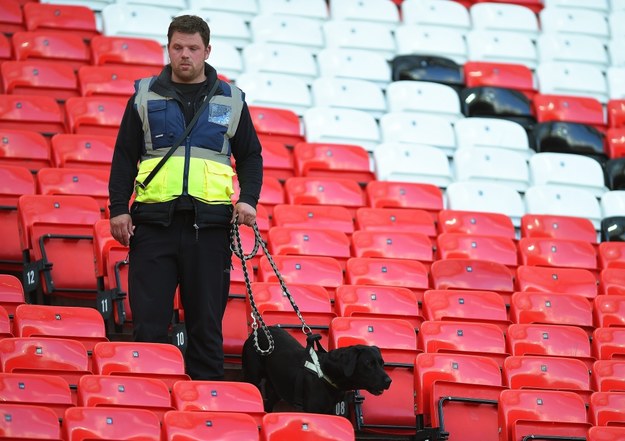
122	228
246	214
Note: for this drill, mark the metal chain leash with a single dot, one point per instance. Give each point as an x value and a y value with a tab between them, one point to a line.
237	249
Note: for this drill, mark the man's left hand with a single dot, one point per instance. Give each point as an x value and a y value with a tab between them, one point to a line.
244	213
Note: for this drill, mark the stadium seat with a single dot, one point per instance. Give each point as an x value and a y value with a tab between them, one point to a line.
431	68
498	102
607	409
465	305
452	389
432	13
612	228
37	77
277	159
611	255
303	33
615	52
602	6
553	279
569	137
11	293
95	115
245	8
325	191
110	80
607	376
124	392
313	216
82	151
508	75
6	329
367	10
477	246
341	126
540	414
568	78
338	160
611	281
11	18
279	59
412	128
349	93
354	63
605	433
83	423
609	310
358	34
577	109
282	426
612	203
304	242
574	48
492	132
39	113
277	124
154	360
475	222
615	143
432	41
17	422
576	21
411	195
561	253
59	47
608	343
558	227
396	219
227	28
616	113
392	244
79	20
424	97
505	17
74	181
208	425
50	391
499	46
393	302
490	197
316	9
614	172
492	165
126	20
127	51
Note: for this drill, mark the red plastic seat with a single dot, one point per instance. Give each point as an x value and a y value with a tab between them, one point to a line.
333	160
11	17
606	433
382	271
305	242
475	222
234	328
540	413
463	337
218	396
17	422
196	426
82	151
39	77
277	159
608	343
608	376
378	301
612	281
95	115
50	391
551	279
615	142
550	340
281	125
392	244
607	409
6	51
336	217
125	392
552	308
561	253
478	247
508	75
285	426
451	390
325	191
91	423
395	219
154	360
558	227
609	311
79	20
60	47
24	148
578	109
465	305
39	113
111	81
616	113
611	255
90	182
543	372
422	196
11	293
127	51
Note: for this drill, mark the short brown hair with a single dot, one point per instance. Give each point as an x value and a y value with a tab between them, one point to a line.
189	24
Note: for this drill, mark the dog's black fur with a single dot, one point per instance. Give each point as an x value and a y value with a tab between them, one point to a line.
283	376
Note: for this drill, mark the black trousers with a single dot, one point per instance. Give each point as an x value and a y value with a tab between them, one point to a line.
199	261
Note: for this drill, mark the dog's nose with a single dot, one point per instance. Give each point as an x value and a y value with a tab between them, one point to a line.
387	382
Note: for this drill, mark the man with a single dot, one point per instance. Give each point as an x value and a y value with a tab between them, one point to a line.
178	225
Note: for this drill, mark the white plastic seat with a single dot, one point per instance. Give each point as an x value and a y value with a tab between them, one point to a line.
559	78
492	132
349	93
424	97
567	169
173	7
616	50
342	126
617	5
504	17
487	197
275	90
615	20
245	8
352	63
574	21
616	82
613	203
316	9
412	128
94	5
289	30
431	40
130	21
563	201
280	59
501	47
598	5
491	164
378	11
436	13
226	59
412	163
225	27
572	48
351	34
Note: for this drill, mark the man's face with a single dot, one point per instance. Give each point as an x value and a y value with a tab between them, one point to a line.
187	54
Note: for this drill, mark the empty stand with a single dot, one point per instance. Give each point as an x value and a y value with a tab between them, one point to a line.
60	47
423	97
278	90
567	169
95	115
605	433
392	244
282	426
244	8
429	12
208	425
316	9
11	293
39	113
395	219
414	128
127	51
611	281
568	78
350	93
505	17
79	20
17	422
50	391
616	113
325	191
333	217
562	253
438	69
25	148
37	77
561	47
368	10
11	17
612	203
298	32
83	423
609	310
476	246
555	279
433	41
577	109
362	35
614	172
126	20
611	255
569	137
494	133
508	75
574	21
301	241
608	343
498	102
498	46
277	159
332	160
354	63
82	151
607	375
277	124
110	80
227	28
89	182
558	227
414	195
607	409
475	222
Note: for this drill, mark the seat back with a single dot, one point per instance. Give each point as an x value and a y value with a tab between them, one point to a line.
18	422
50	391
607	376
85	423
281	426
607	409
475	222
208	425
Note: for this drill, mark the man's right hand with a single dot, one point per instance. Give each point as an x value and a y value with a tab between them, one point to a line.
122	228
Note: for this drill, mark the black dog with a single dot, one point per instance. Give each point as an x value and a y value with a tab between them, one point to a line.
289	372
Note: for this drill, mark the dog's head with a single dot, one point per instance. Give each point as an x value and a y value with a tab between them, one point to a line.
357	367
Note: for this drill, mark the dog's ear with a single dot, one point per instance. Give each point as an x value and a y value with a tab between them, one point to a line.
349	361
342	361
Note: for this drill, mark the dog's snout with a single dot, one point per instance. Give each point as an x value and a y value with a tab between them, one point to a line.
387	382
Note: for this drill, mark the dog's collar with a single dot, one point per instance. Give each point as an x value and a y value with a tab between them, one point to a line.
315	367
